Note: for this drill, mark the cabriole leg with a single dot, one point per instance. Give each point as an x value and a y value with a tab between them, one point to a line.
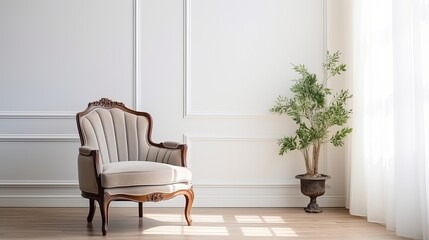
189	196
91	210
104	210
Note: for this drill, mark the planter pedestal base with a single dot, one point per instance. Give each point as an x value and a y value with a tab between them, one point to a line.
313	207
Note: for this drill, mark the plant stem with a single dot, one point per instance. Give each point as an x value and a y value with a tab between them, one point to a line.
306	160
316	152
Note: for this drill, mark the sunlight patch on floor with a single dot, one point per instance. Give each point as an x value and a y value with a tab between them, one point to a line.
259	219
284	232
256	232
250	225
180	218
166	217
208	218
248	219
268	232
187	230
273	219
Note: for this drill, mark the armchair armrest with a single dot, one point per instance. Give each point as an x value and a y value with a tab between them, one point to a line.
172	145
89	169
85	150
173	153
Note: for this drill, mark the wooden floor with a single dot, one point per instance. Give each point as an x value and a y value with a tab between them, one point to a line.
169	223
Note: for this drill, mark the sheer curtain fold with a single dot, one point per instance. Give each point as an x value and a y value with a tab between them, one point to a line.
389	181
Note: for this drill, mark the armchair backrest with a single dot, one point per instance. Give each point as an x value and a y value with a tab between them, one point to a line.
119	133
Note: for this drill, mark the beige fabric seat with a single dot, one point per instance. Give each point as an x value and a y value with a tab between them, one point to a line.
142	173
119	161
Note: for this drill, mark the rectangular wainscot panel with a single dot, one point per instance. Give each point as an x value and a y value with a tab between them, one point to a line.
247	171
57	55
239	52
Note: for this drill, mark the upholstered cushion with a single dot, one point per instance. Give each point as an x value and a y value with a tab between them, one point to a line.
142	173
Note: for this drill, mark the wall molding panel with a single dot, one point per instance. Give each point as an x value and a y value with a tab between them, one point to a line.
269	150
136	56
39	138
190	139
67	194
37	115
37	193
46	87
189	111
201	201
37	184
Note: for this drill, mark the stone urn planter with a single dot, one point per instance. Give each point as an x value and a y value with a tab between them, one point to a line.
312	187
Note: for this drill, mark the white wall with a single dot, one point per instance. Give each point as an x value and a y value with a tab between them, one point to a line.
208	71
55	57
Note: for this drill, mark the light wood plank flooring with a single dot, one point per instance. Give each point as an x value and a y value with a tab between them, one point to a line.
169	223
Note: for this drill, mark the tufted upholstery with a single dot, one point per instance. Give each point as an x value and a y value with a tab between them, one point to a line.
122	136
119	161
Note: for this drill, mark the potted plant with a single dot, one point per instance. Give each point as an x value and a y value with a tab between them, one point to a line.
315	109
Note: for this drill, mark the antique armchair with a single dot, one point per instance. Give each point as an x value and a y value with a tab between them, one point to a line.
119	161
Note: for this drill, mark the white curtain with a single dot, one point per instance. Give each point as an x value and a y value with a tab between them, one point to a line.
389	175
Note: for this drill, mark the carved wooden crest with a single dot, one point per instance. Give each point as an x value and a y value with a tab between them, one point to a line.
105	102
155	197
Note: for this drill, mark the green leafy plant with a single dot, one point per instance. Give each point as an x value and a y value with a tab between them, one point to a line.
315	108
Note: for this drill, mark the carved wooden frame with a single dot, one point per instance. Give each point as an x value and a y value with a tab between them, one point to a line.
103	197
